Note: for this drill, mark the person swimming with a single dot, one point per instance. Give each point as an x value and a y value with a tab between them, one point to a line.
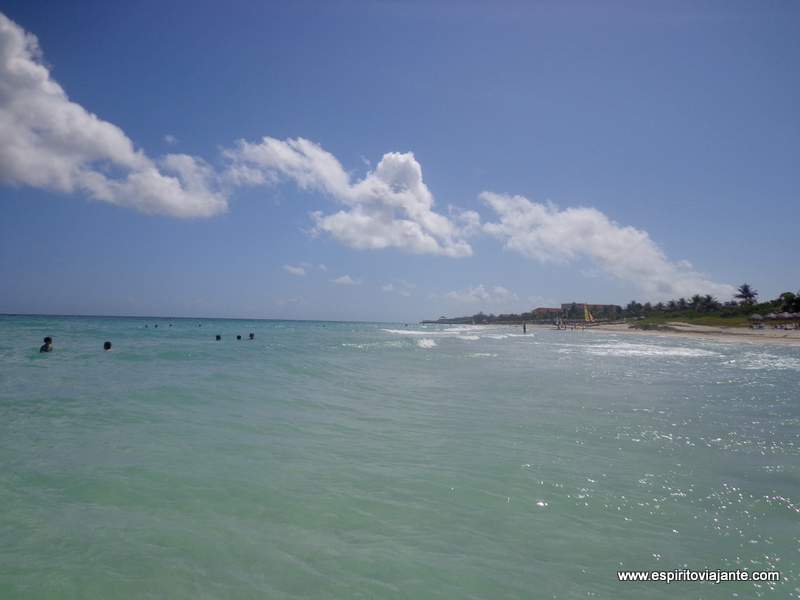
107	346
47	346
219	337
238	337
252	336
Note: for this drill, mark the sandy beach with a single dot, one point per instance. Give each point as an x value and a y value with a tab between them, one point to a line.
722	334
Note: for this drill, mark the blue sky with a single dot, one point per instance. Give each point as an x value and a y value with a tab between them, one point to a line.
434	158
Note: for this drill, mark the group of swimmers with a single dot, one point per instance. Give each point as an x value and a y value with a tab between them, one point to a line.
48	345
251	337
48	342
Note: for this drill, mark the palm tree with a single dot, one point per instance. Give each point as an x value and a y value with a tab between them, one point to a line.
696	301
788	301
672	305
746	294
710	303
634	309
682	304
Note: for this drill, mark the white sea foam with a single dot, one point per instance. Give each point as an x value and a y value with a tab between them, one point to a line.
482	355
466	328
426	343
469	338
367	345
765	360
413	332
628	349
451	331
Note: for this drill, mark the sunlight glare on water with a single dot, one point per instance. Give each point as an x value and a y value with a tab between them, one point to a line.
352	460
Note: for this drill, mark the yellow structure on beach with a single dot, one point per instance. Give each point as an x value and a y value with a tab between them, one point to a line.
587	315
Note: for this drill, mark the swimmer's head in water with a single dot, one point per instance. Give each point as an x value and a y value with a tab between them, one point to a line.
219	337
252	336
107	346
238	337
48	340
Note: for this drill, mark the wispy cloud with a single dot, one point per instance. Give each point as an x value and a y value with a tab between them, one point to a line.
546	233
295	270
480	294
170	139
346	280
391	207
402	288
53	143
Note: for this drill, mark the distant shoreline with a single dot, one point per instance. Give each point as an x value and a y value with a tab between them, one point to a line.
719	334
776	337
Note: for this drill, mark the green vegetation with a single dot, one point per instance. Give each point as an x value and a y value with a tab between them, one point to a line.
707	310
697	310
657	321
490	319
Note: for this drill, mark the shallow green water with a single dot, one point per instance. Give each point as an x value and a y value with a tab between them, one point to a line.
344	460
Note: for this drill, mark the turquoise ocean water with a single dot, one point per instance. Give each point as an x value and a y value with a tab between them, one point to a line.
347	460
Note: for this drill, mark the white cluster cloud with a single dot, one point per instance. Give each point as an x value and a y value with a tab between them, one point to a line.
300	271
303	268
480	294
53	143
545	233
346	280
391	207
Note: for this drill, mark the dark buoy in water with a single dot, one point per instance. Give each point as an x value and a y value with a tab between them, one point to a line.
47	346
219	337
252	336
238	337
107	346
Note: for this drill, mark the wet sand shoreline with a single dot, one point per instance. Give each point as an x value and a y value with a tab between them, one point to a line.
720	334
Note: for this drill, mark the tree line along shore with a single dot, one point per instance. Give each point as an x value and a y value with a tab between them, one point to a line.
698	309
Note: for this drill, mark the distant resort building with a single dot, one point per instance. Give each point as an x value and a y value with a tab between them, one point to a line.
575	311
569	313
546	313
